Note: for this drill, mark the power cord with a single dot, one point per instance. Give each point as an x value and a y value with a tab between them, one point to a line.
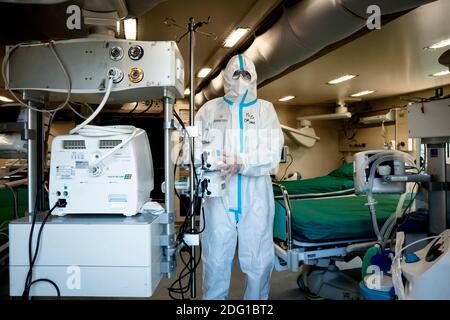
148	108
32	256
287	167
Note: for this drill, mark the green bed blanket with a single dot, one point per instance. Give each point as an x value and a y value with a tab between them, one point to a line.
7	203
337	182
333	218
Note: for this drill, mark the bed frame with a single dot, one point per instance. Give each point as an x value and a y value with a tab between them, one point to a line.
318	254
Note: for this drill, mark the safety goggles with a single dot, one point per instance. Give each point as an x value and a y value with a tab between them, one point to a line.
242	73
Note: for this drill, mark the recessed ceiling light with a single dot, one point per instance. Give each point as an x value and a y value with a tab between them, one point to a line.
287	98
342	79
362	93
118	27
440	44
440	73
5	99
187	92
130	29
235	36
203	72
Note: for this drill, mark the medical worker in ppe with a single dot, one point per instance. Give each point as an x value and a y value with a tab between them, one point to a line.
246	133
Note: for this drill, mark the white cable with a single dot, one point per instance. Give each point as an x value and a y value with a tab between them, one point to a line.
106	131
83	129
63	68
86	130
71	107
97	111
75	111
397	255
120	145
391	221
87	105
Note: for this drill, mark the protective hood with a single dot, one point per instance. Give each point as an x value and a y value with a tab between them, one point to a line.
237	89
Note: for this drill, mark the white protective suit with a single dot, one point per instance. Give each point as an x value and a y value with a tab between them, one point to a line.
246	128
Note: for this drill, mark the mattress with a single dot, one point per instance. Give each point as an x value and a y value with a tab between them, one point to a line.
337	182
333	218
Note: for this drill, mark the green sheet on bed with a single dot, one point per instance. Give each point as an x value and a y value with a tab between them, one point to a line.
334	218
7	204
339	181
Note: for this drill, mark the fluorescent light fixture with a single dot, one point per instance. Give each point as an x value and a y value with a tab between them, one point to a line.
287	98
5	99
440	73
187	92
440	44
130	27
235	36
362	93
342	79
118	27
203	72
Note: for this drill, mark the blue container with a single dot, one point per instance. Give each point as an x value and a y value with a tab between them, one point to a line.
369	294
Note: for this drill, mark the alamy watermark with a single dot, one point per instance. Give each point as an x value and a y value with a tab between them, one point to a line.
73	21
374	278
374	20
73	281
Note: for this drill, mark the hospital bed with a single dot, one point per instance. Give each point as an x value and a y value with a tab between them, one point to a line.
322	222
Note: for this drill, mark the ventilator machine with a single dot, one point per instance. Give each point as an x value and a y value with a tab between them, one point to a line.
424	273
100	177
122	178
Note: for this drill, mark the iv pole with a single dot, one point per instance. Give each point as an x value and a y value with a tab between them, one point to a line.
192	29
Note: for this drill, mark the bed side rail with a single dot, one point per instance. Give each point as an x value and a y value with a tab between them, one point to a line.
288	210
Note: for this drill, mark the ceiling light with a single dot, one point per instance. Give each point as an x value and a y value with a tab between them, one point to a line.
440	73
130	27
362	93
5	99
287	98
203	72
440	44
235	36
187	92
118	27
342	79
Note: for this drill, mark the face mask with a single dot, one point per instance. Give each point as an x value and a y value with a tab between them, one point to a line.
241	86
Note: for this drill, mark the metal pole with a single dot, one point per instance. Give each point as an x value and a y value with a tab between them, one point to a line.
35	137
32	158
192	168
169	185
40	160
